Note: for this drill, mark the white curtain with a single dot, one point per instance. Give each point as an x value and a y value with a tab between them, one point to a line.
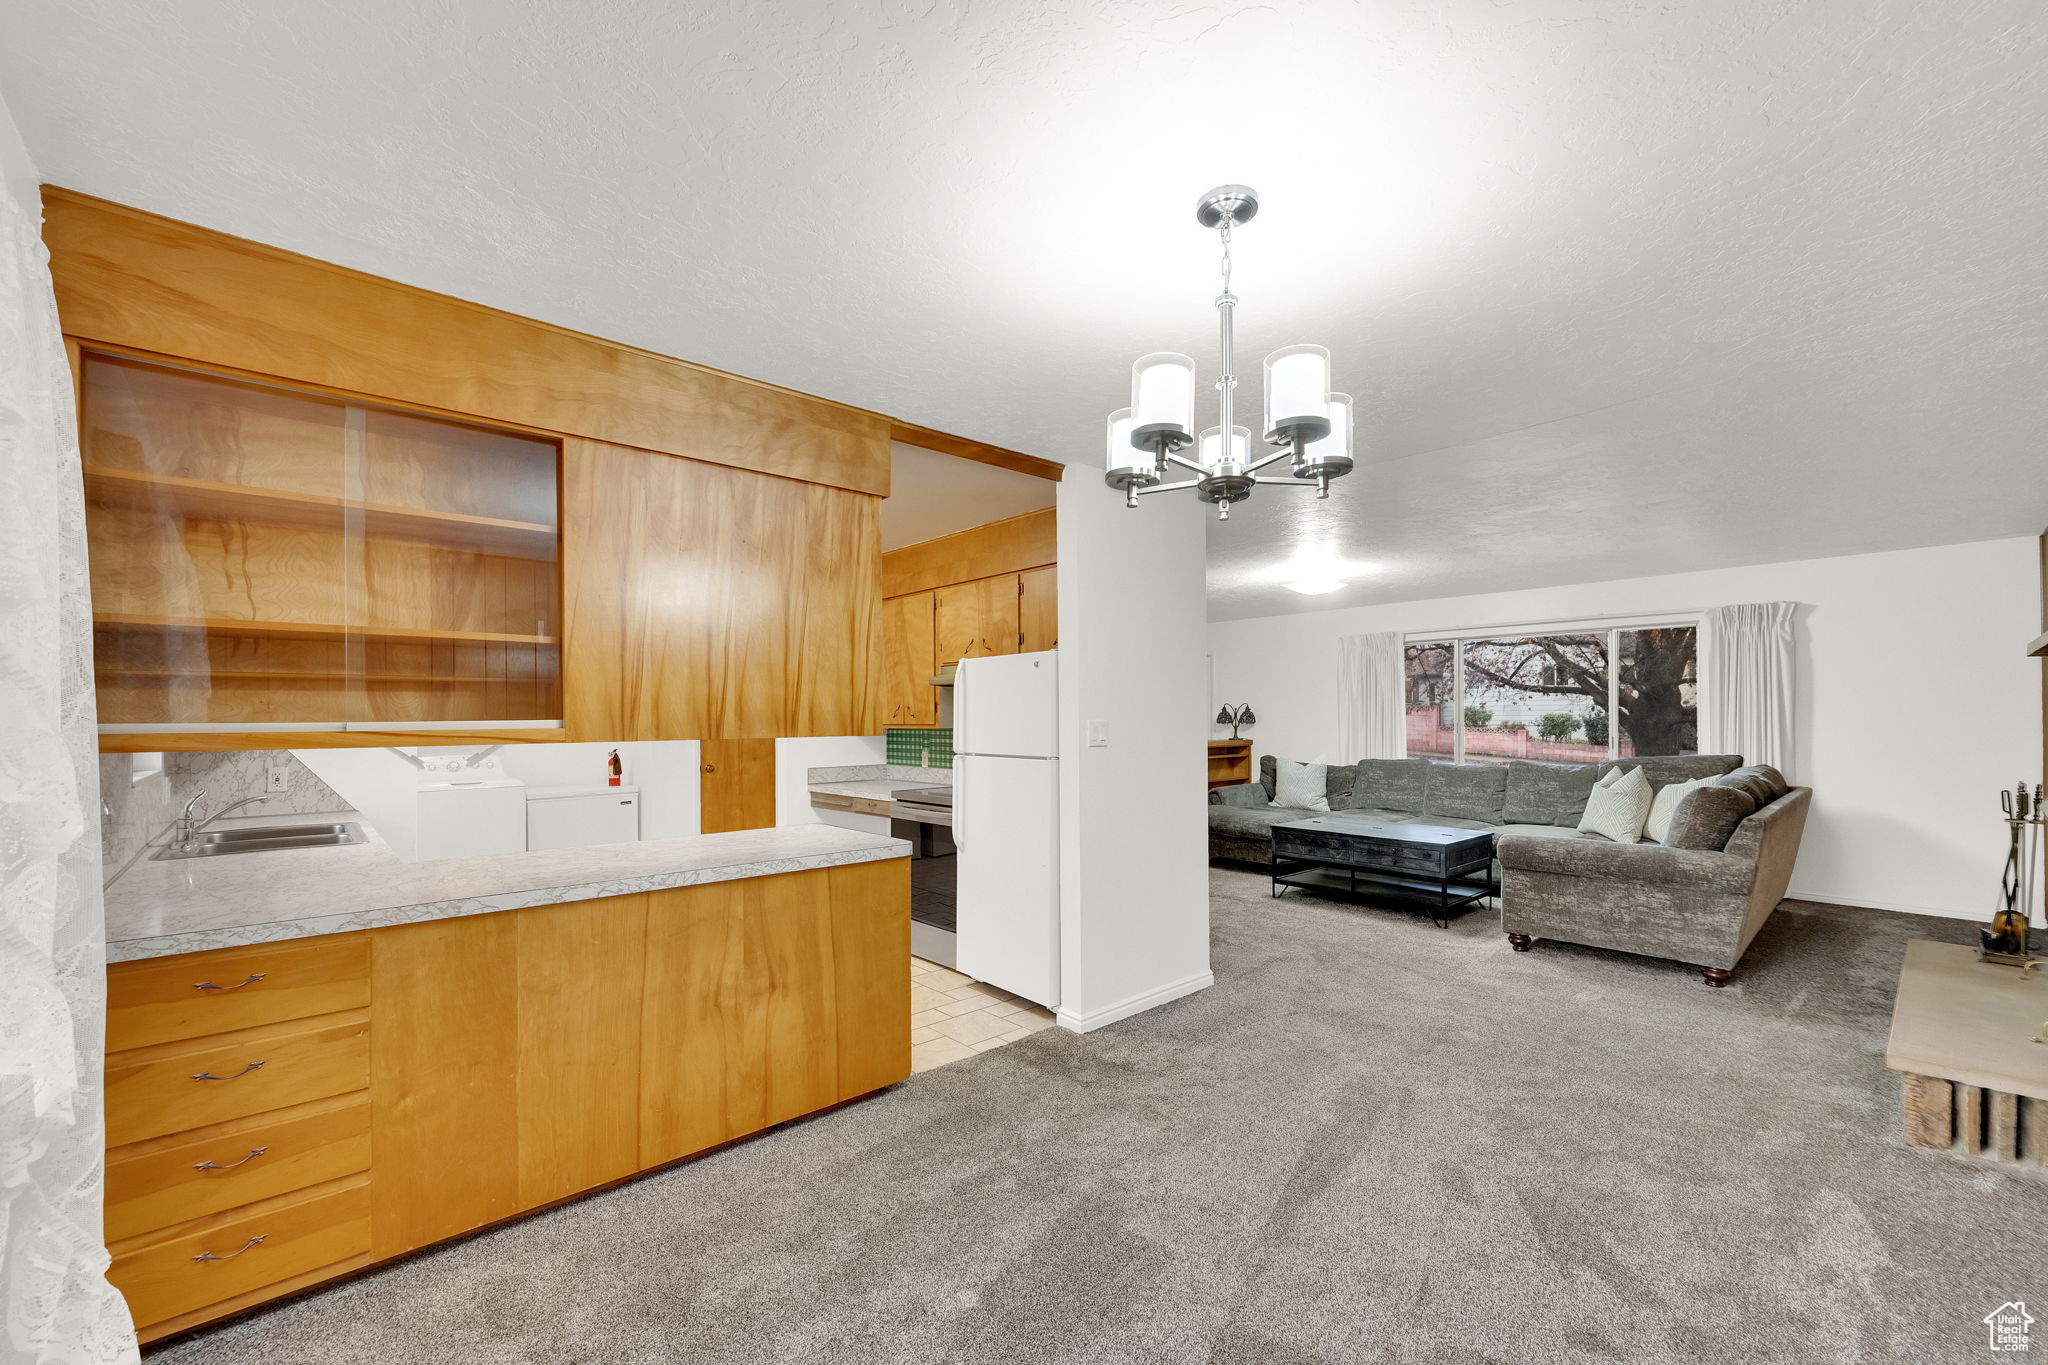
1747	671
56	1307
1372	721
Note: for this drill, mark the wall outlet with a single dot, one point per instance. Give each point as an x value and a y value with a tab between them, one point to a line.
277	779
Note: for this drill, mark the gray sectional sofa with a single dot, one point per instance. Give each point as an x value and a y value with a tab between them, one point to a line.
1700	898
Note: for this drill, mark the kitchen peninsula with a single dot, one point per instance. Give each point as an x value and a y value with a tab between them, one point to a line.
322	1058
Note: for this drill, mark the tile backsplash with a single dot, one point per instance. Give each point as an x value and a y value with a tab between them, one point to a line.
919	748
137	811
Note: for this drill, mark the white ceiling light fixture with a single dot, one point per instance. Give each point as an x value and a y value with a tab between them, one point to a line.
1303	417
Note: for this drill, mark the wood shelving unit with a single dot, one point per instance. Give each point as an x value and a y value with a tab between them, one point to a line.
224	625
1230	762
278	558
206	499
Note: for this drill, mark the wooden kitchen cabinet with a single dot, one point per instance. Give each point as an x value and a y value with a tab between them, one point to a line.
976	619
505	1061
272	556
1038	609
909	658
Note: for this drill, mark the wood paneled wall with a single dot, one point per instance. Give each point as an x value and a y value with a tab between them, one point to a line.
129	279
709	603
1007	546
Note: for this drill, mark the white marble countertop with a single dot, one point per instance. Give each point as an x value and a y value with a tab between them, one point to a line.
159	908
878	788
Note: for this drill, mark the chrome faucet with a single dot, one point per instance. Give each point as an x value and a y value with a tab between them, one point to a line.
188	827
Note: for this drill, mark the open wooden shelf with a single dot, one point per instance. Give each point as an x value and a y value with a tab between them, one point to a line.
173	675
395	734
224	625
279	507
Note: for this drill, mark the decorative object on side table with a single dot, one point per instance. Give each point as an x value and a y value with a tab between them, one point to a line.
2005	941
1234	716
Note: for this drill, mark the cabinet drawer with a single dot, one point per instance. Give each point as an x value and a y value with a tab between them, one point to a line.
164	1089
158	1184
247	1249
194	994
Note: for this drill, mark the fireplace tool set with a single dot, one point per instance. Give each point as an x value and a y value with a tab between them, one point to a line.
2006	940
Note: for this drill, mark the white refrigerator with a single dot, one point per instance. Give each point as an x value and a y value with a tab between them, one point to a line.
1006	822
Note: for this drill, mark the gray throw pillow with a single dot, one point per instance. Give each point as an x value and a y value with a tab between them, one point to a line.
1548	793
1759	790
1707	818
1266	775
1773	781
1388	784
1466	791
1338	782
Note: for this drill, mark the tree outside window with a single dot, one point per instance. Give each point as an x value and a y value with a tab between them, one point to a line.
1568	697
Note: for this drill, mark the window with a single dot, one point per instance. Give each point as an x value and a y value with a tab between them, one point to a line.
1564	697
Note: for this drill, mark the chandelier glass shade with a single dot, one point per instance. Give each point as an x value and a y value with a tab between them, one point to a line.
1310	425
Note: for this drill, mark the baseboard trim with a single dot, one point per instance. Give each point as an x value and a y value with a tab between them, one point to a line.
1137	1004
1866	903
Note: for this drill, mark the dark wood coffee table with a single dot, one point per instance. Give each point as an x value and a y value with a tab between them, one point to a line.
1435	867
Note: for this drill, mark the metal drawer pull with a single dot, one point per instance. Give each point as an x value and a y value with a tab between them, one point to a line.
209	1076
209	1256
254	1152
251	980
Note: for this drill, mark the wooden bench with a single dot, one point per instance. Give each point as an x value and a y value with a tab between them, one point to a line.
1964	1034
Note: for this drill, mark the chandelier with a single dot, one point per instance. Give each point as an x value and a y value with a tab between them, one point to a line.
1311	425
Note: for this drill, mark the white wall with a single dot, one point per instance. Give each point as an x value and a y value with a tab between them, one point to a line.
1916	702
1134	902
793	759
383	787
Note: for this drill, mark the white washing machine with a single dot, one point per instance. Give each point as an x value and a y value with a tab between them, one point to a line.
573	817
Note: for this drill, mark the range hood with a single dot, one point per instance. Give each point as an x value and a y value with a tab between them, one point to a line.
944	677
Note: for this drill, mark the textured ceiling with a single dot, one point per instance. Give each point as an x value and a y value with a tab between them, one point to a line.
1622	286
935	495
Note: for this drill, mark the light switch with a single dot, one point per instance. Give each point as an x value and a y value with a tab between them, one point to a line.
1098	734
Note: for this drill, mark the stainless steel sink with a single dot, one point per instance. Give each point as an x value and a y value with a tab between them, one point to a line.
216	843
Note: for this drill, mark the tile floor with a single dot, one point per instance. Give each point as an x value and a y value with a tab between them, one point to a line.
952	1016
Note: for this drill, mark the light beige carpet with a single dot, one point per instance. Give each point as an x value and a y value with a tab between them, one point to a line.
1372	1140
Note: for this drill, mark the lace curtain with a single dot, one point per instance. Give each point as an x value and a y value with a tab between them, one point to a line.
58	1307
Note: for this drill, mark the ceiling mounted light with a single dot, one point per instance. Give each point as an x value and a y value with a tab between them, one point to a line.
1303	417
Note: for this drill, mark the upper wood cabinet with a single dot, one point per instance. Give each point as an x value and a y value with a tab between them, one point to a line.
704	602
909	658
976	619
271	558
1038	609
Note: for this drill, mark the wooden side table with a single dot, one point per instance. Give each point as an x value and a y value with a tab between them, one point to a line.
1962	1034
1230	762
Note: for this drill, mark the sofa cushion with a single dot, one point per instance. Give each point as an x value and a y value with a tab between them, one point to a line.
1532	832
1771	776
1618	806
1337	780
1756	784
1664	769
1388	784
1251	823
1251	794
1548	793
1657	829
1708	814
1303	785
1465	791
